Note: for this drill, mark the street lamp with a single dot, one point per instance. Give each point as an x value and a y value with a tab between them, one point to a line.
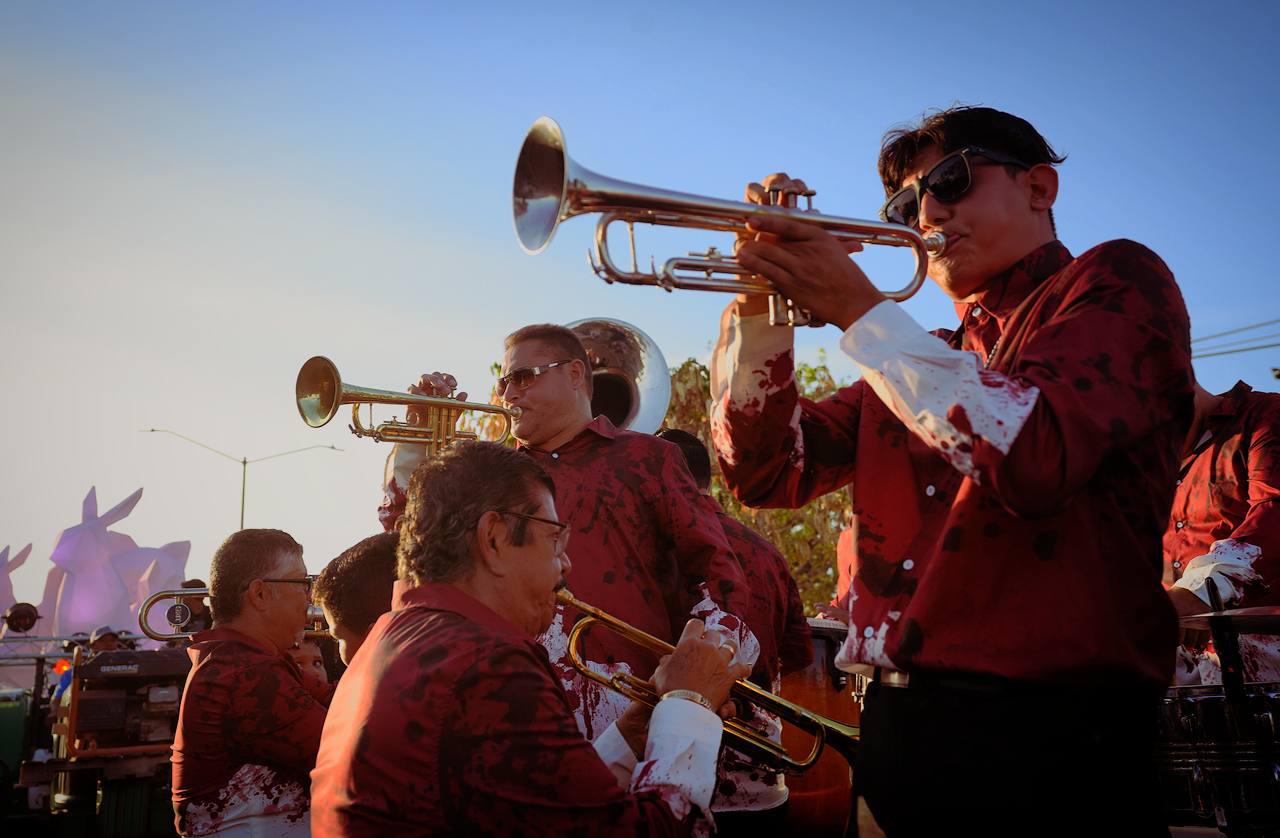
243	461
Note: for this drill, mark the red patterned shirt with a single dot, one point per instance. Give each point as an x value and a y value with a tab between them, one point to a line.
1225	524
776	613
1007	517
1225	521
645	548
451	722
248	731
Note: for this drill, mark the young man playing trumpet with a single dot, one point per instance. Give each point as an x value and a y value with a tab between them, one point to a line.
1011	479
451	720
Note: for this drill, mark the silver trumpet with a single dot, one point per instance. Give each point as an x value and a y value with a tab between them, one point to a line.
550	187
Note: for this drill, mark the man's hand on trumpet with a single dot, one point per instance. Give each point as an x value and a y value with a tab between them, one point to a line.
439	384
804	262
700	663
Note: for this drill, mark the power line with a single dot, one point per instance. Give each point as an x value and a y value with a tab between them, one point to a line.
1235	351
1235	331
1242	341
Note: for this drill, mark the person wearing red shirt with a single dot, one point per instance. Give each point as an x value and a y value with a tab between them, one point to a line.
648	550
248	726
1010	482
1225	523
451	719
777	618
355	590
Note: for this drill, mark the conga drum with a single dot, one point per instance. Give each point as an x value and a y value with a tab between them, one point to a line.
820	796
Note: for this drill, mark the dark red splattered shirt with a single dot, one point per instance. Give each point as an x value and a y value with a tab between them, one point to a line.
1225	521
645	548
776	613
1007	518
451	722
248	731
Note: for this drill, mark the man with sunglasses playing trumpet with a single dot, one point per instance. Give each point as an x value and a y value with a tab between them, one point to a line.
249	726
452	720
1010	481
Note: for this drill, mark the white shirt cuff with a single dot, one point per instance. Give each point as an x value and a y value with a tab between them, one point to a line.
613	750
684	744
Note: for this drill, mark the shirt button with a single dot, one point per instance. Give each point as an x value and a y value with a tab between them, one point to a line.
1180	524
555	455
930	491
1177	564
868	632
976	312
908	564
1179	483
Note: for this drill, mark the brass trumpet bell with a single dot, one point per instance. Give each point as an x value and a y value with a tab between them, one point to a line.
319	391
630	382
550	187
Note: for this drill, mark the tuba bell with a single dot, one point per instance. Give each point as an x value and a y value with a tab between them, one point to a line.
630	382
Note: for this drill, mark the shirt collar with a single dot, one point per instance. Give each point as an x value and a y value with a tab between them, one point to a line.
600	426
440	596
1009	288
1232	401
222	634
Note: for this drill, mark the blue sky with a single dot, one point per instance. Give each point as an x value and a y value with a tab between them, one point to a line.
196	198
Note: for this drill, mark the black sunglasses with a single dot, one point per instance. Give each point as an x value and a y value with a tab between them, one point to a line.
948	181
523	377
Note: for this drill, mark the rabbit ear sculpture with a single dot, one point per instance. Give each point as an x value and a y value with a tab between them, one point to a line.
92	592
7	567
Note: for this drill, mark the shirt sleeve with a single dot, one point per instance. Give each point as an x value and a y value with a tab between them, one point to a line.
401	463
795	647
518	758
1111	364
1251	555
713	578
277	721
776	449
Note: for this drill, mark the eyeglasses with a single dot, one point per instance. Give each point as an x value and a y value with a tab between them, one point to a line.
307	581
523	377
948	181
562	529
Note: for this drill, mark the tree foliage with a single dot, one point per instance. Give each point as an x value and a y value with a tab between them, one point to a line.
807	536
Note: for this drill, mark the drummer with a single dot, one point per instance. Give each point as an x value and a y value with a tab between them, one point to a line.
1225	524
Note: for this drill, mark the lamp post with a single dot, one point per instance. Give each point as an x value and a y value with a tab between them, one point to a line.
243	461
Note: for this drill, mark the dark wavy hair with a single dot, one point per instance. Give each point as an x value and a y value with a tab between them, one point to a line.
448	495
356	586
955	128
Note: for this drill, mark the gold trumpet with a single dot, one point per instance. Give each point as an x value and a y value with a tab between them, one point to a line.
841	737
320	392
550	187
179	614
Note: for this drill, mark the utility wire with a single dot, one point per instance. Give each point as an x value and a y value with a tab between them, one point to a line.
1240	342
1236	331
1235	351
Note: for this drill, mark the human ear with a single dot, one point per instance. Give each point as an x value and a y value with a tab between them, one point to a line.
1042	184
491	537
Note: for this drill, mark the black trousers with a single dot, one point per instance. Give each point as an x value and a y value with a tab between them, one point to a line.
949	754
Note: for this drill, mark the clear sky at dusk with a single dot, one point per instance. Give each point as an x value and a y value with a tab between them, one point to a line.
194	198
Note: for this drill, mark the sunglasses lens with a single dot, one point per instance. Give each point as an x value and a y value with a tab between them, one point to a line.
902	208
949	180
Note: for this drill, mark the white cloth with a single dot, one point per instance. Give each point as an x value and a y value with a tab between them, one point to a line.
683	745
943	395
